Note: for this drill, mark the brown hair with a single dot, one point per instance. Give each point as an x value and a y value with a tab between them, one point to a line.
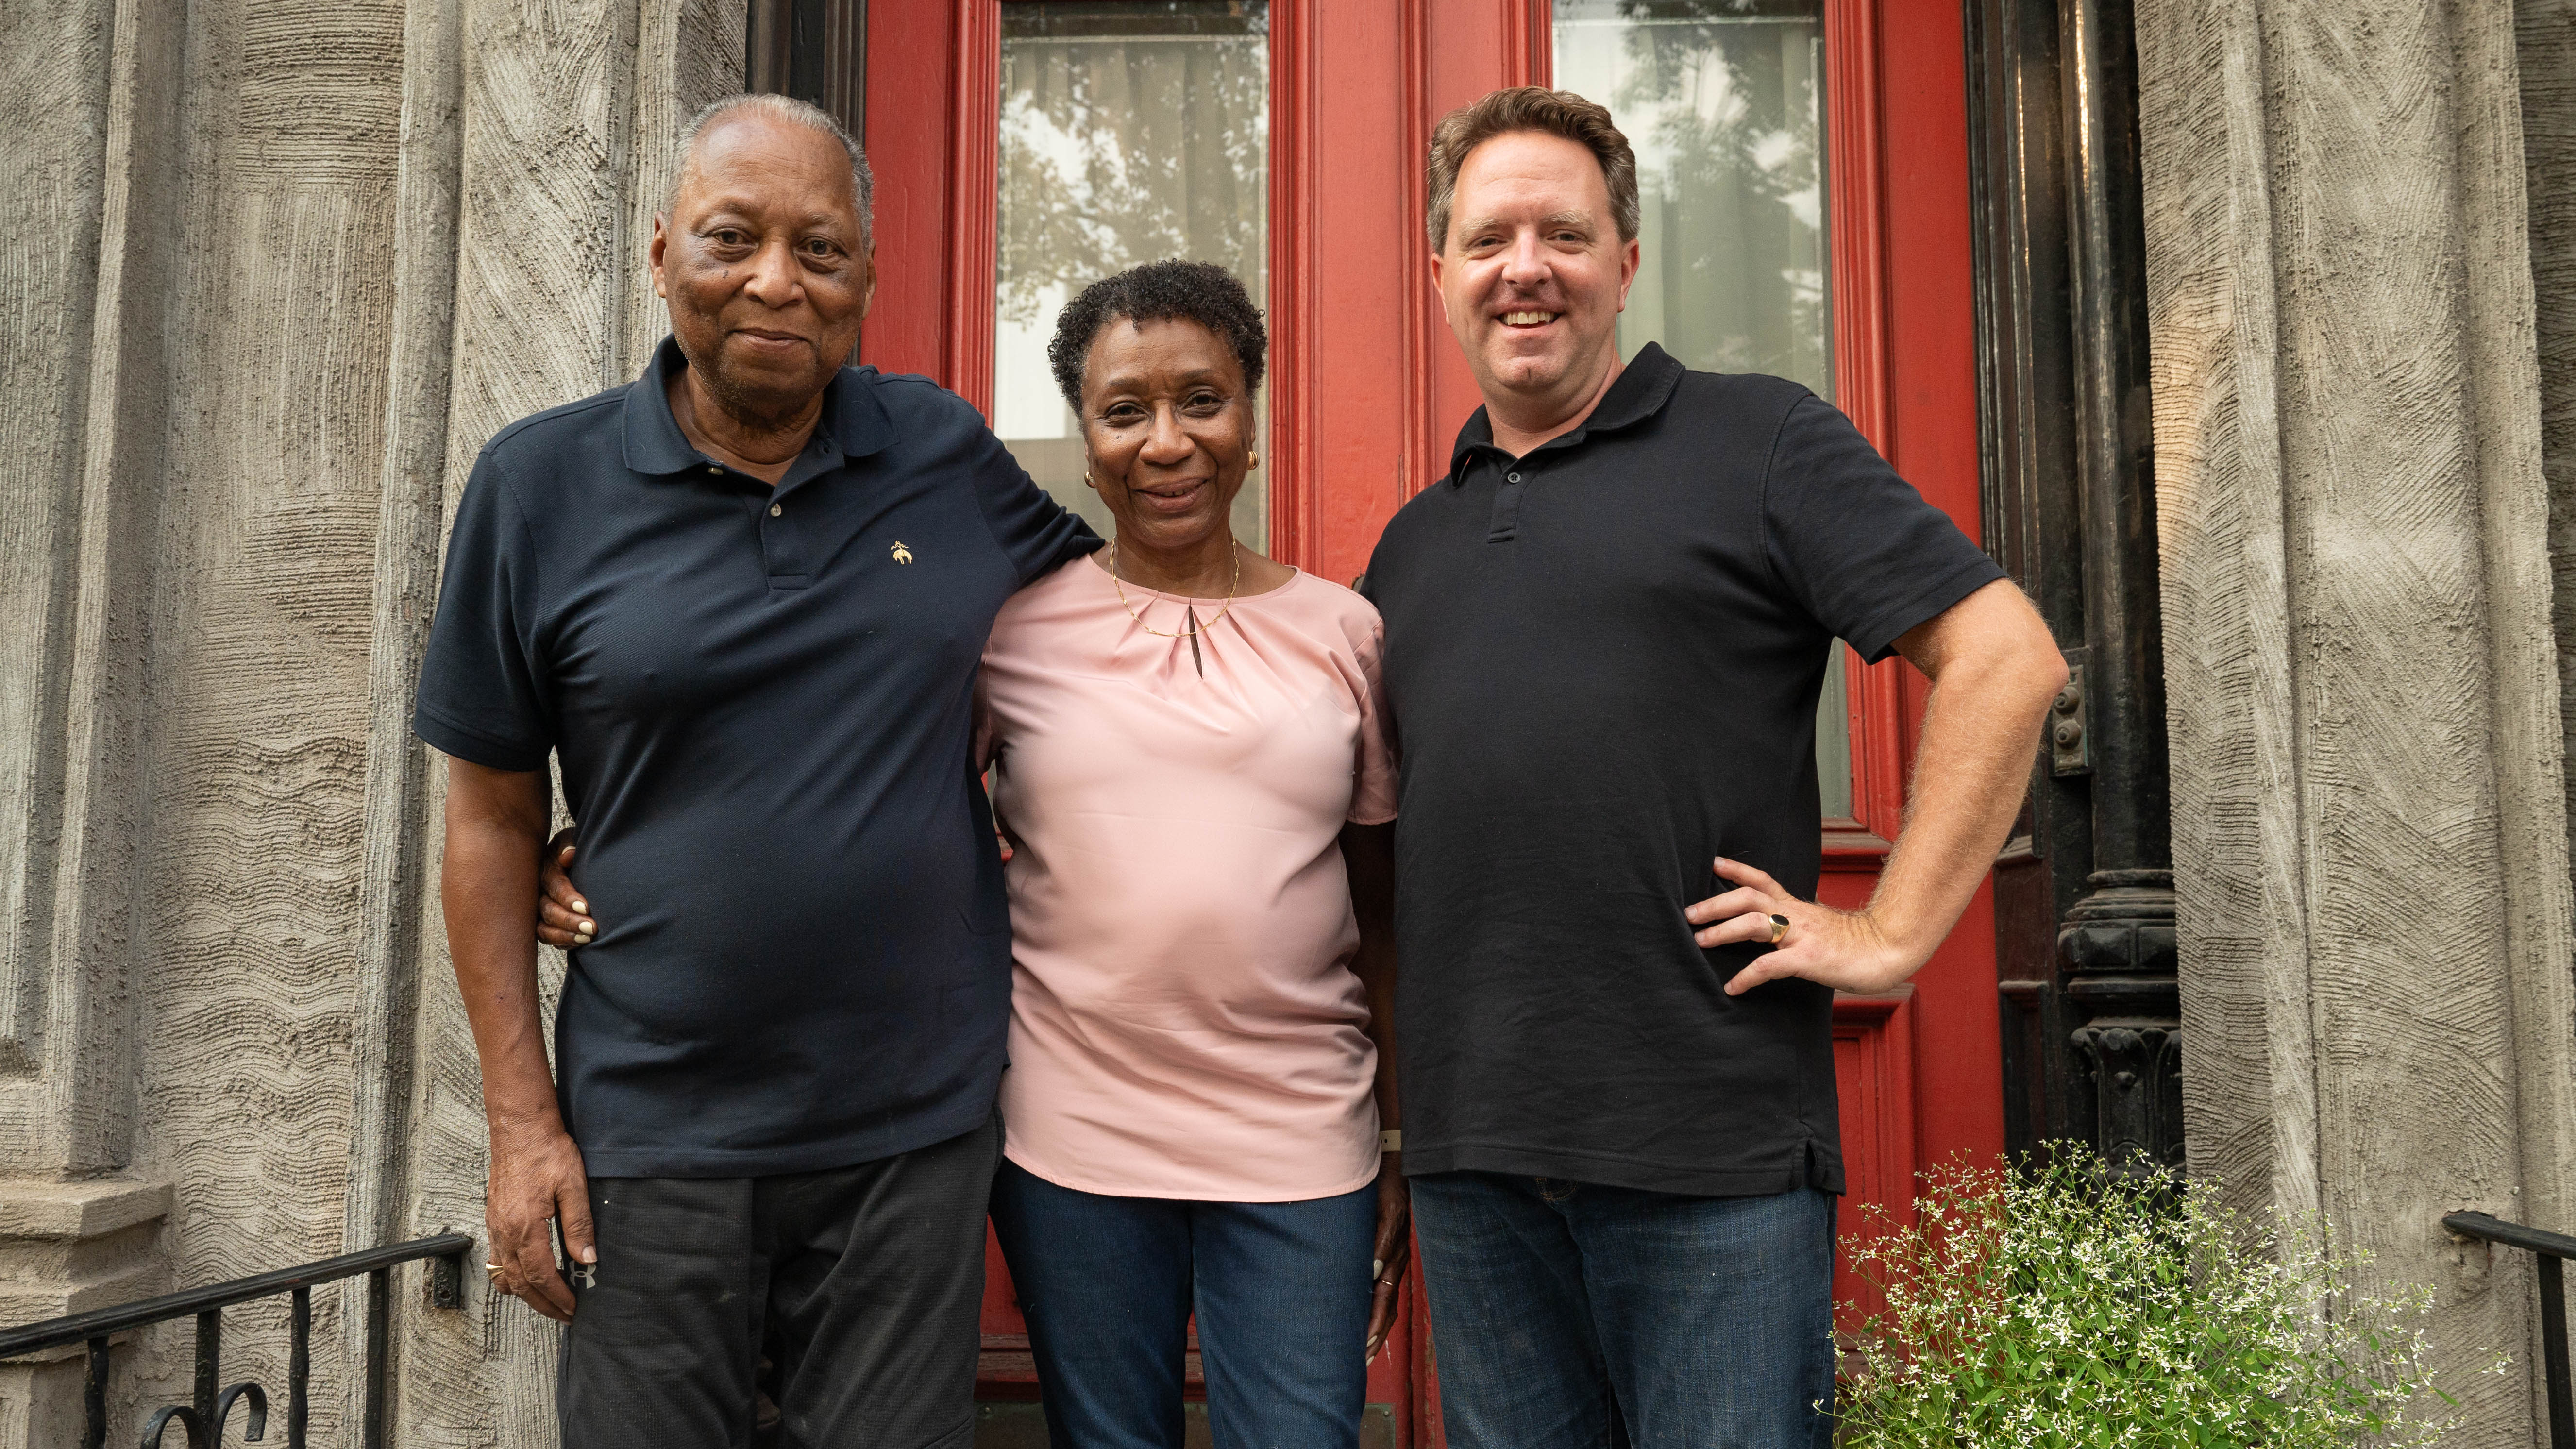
1530	108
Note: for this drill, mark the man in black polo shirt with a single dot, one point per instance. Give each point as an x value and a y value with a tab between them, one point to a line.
741	603
1606	630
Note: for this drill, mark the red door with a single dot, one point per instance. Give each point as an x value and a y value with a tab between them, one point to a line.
1806	171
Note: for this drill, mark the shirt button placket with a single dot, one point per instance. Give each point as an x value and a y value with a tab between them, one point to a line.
1507	510
777	549
777	546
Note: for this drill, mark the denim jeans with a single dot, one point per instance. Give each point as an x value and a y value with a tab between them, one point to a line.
1108	1284
1568	1315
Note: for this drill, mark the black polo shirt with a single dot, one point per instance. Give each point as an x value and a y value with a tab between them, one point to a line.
1602	664
761	700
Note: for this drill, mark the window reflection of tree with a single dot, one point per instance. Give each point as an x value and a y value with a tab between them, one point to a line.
1722	101
1731	167
1130	132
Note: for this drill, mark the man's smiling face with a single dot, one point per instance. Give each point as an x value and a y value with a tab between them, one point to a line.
764	263
1534	274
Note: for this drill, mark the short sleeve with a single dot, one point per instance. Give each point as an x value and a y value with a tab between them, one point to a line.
481	698
1037	532
1857	546
1373	775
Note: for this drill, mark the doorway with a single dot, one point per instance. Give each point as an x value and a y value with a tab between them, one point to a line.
1804	172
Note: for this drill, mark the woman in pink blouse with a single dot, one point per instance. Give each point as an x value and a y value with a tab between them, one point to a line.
1190	765
1191	768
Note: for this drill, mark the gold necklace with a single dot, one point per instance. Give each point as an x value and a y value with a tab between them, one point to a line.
1188	611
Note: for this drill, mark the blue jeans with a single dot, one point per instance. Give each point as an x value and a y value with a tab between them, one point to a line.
1108	1283
1568	1315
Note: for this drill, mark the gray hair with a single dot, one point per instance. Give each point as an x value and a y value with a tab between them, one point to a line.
863	182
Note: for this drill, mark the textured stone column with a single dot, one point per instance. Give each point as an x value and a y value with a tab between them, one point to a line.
2369	807
270	273
88	110
78	494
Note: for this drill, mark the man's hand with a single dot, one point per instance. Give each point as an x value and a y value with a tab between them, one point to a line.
563	917
537	1175
1394	1249
1993	669
1846	950
1368	855
496	823
537	1182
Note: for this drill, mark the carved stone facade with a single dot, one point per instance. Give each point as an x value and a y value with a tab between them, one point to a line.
270	273
2361	406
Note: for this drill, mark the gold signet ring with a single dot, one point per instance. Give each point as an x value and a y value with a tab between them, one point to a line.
492	1268
1779	928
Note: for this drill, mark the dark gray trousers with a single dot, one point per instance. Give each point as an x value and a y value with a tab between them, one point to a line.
860	1285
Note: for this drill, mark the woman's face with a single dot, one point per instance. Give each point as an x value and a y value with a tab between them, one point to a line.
1167	430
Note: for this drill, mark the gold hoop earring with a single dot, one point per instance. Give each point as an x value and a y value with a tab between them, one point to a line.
1255	463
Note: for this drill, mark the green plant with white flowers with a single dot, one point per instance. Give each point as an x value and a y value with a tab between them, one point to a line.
2066	1306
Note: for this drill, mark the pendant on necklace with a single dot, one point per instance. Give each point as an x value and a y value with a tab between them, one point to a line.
1192	611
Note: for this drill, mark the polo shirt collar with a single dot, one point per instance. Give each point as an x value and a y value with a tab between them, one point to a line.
1640	392
853	423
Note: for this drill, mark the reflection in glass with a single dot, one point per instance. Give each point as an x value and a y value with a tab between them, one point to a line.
1723	101
1131	131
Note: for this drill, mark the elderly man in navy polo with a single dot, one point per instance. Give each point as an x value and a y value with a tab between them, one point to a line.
740	603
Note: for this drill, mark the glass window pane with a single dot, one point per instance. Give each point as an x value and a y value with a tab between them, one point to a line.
1833	738
1724	103
1131	131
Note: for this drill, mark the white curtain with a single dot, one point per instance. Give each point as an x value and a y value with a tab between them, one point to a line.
1131	131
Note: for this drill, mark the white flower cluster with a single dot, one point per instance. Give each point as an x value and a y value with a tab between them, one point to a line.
2066	1305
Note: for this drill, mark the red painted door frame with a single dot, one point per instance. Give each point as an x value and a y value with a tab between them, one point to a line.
1368	389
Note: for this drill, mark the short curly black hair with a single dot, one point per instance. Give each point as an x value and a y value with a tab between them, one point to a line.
1169	291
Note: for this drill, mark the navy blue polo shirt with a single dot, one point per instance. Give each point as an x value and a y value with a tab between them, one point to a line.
762	702
1602	664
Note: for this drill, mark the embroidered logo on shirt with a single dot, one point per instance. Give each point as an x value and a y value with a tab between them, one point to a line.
902	555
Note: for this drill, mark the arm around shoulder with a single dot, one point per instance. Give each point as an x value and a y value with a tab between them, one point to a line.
1030	527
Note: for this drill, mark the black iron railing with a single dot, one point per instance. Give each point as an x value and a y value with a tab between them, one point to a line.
2550	1249
203	1418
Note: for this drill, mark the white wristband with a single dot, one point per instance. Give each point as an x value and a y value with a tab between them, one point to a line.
1390	1141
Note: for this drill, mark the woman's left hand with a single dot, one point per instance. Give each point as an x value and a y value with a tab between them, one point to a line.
1393	1251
